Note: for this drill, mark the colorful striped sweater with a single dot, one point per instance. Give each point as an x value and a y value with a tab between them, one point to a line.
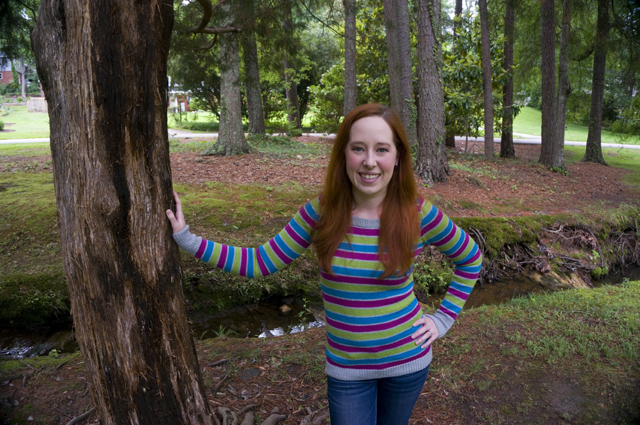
369	320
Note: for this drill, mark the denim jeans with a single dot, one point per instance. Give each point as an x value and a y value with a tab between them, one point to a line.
385	401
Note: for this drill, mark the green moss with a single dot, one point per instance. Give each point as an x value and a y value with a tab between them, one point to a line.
32	300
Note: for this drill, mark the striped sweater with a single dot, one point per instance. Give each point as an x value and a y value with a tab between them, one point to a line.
369	320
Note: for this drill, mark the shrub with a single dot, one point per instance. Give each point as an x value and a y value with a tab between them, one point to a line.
1	125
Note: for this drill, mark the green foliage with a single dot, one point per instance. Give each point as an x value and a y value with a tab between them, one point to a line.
1	125
33	300
463	78
629	122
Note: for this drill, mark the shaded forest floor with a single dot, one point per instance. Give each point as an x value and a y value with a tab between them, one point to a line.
566	358
569	357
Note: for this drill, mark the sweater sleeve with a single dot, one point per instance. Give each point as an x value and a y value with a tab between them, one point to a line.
275	255
438	230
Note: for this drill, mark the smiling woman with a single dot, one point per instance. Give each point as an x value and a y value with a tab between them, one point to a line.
368	226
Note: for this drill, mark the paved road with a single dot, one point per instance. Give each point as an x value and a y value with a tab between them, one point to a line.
525	140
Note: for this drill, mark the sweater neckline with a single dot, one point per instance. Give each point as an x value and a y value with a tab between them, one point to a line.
365	223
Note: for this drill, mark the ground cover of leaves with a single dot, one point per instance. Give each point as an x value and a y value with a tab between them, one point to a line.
480	373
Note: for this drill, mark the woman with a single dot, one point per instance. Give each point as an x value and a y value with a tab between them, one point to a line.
367	226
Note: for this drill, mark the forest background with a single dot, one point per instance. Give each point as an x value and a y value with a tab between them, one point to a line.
270	66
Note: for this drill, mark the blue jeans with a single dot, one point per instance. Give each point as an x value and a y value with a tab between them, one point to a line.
385	401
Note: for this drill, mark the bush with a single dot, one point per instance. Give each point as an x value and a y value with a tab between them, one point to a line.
198	125
629	122
1	125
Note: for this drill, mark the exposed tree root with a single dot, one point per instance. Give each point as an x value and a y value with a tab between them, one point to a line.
82	417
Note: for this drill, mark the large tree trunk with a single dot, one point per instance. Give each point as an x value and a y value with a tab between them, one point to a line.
252	76
450	139
350	83
506	139
396	21
431	160
593	152
548	70
103	69
488	79
231	140
564	86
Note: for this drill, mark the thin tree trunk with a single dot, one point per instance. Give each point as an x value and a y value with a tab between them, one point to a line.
396	20
24	78
450	140
231	140
431	159
293	106
350	83
488	79
112	180
252	78
593	152
548	70
564	86
291	91
506	140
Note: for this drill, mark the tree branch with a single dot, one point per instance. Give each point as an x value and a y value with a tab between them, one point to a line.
320	20
206	17
584	55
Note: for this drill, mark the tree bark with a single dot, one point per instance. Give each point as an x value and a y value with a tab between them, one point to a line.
252	76
291	91
450	140
506	138
548	70
103	69
23	82
350	82
564	85
488	79
396	21
593	152
431	159
231	140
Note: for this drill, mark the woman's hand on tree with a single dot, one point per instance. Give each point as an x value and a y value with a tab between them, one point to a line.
427	333
177	219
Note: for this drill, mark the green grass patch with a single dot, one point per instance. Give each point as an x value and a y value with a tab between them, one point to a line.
27	125
25	150
529	121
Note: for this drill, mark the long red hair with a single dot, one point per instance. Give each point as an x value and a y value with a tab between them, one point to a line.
399	223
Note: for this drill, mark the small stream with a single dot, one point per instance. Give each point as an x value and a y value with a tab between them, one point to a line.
262	320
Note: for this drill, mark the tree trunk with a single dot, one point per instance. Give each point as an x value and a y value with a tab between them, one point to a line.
506	139
548	70
450	140
488	79
431	160
23	83
231	140
293	106
350	83
593	152
252	78
103	68
564	86
291	91
396	21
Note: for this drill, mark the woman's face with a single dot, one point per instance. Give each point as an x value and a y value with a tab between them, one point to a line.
371	156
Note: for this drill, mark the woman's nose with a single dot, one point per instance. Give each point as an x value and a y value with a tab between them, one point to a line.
369	160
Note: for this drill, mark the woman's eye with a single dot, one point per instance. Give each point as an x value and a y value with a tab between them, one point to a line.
383	150
357	149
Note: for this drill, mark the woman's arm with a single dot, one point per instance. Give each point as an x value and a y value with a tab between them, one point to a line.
276	254
438	230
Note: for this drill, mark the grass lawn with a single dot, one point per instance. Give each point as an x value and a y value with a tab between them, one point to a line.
529	121
27	125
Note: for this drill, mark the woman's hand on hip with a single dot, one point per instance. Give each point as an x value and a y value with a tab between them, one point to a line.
426	333
177	219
